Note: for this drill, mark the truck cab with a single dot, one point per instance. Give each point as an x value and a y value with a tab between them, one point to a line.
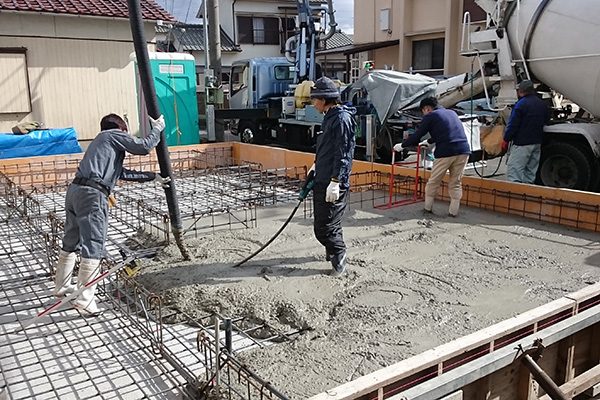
254	81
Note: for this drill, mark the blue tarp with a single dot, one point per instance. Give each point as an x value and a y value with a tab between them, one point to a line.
39	143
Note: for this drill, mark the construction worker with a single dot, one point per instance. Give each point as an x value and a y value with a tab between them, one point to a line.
451	151
525	130
333	165
87	201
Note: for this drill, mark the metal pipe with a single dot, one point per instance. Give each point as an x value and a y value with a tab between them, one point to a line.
162	151
543	379
228	333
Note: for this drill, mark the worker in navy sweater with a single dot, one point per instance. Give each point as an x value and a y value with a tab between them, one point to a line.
333	165
525	130
86	204
451	151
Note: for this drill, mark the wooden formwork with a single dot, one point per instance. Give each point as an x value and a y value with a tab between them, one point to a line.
561	206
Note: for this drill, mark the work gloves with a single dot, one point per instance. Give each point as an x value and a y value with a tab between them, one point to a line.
158	123
398	147
333	192
164	182
504	146
424	144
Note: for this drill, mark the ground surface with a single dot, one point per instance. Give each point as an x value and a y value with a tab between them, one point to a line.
414	282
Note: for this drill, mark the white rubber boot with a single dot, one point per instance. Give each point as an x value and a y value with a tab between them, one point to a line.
454	206
427	207
89	270
64	273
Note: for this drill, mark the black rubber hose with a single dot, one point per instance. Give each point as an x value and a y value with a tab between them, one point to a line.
307	186
264	246
162	151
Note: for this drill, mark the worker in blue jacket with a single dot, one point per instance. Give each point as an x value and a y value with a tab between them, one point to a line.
87	200
525	130
451	151
333	165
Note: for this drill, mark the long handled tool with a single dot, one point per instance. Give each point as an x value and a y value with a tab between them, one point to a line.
307	186
126	263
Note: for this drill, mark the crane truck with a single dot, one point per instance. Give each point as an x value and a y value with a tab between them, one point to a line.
261	90
553	43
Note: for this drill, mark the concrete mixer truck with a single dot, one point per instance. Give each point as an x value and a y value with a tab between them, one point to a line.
554	43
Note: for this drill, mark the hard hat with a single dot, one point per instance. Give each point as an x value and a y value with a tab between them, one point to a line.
324	89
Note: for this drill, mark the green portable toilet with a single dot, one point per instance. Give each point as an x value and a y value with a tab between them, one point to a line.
175	81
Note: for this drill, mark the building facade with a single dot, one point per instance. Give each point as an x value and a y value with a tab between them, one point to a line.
68	67
420	35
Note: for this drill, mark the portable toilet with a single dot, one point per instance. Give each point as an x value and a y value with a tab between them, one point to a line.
175	82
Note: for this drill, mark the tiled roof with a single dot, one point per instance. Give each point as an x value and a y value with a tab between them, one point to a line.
97	8
339	39
191	37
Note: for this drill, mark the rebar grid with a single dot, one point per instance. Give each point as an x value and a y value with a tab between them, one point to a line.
563	212
174	342
136	224
67	356
372	188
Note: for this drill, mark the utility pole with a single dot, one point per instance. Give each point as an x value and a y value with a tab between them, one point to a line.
214	36
212	70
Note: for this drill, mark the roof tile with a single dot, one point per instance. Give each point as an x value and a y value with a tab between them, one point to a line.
97	8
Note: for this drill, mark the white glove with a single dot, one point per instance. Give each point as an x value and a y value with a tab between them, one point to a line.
333	192
158	123
398	147
424	144
164	182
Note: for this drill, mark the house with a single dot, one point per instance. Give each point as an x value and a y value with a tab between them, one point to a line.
189	38
414	35
66	63
259	27
333	62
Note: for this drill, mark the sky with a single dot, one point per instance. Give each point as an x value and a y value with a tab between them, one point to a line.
185	11
344	15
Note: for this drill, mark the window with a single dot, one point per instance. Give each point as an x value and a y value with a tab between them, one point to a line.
285	72
239	79
428	54
14	81
258	30
477	13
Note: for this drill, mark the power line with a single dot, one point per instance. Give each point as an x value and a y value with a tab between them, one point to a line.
188	10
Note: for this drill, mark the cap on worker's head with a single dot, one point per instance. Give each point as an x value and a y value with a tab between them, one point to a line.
526	86
324	89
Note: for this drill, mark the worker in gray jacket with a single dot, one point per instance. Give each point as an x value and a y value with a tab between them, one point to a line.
87	201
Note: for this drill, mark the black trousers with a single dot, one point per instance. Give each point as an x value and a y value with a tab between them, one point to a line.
328	219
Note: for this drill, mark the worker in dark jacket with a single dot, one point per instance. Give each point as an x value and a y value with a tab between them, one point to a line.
333	165
525	130
451	151
87	201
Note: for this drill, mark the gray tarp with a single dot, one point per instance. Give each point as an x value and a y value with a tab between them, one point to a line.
390	91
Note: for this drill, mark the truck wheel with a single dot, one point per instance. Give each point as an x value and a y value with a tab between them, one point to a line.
248	133
565	165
